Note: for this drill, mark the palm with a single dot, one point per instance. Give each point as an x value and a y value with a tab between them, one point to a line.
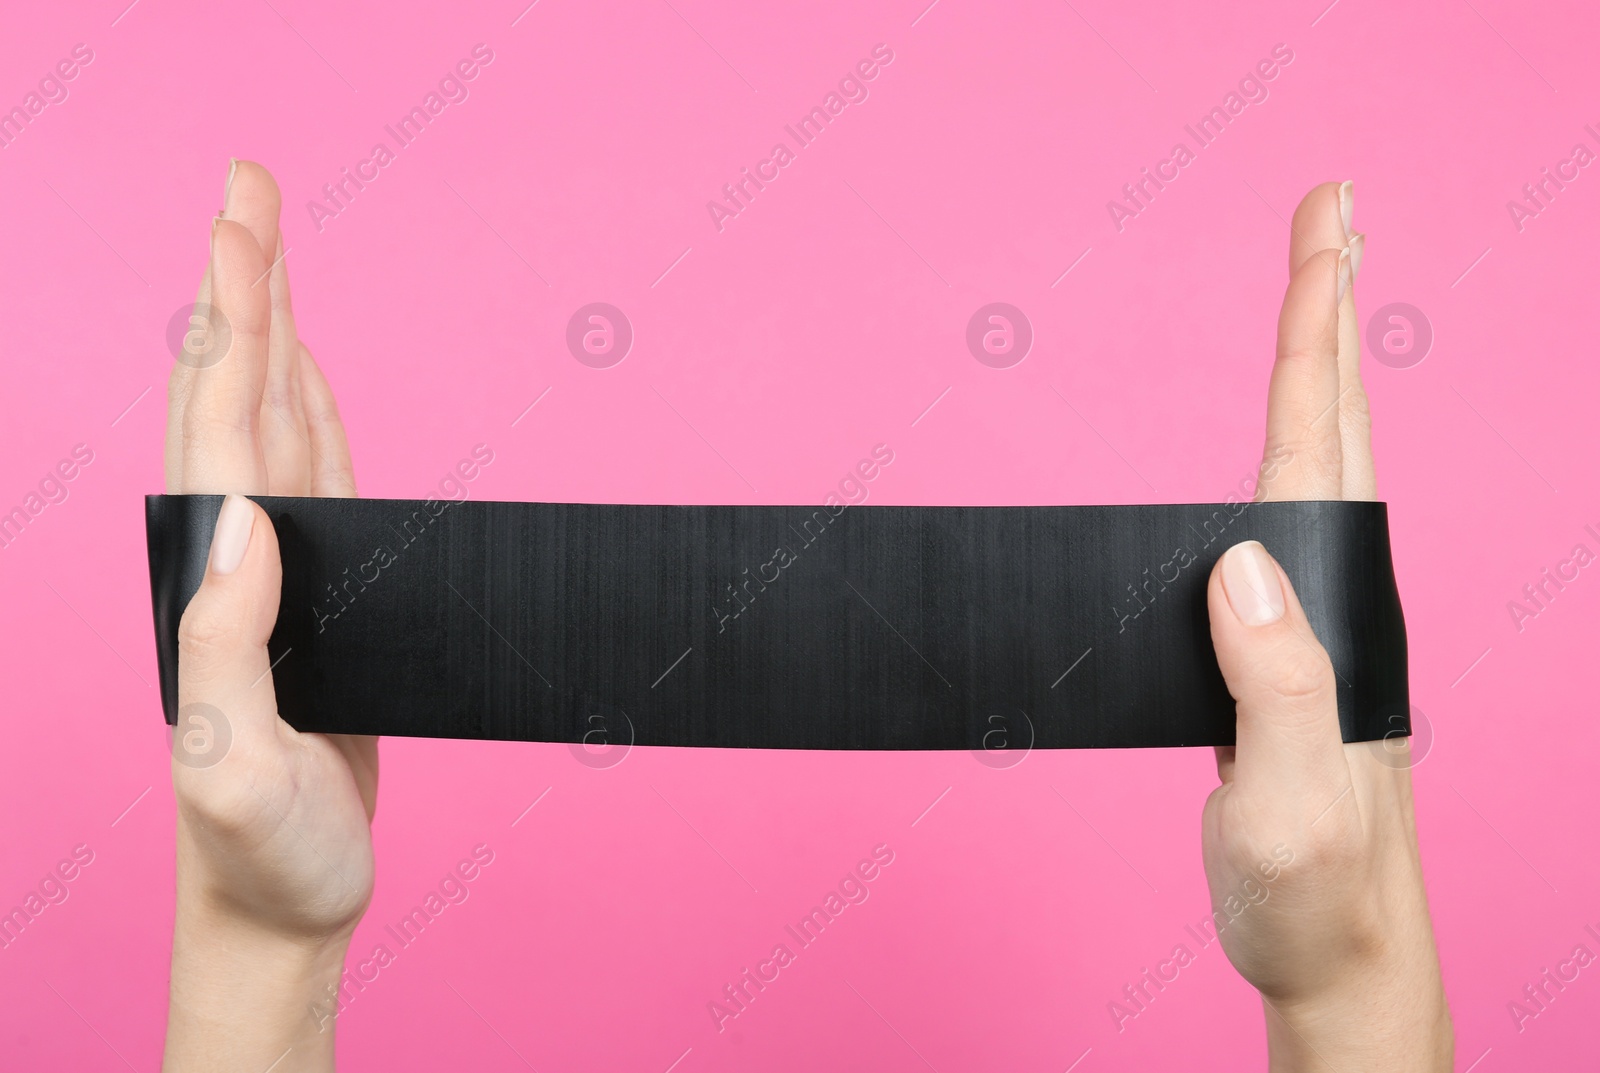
285	830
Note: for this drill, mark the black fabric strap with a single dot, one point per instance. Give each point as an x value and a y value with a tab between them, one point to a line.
865	627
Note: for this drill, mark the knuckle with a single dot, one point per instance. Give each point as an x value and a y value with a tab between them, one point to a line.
219	415
1355	412
204	634
282	397
1300	675
1303	351
1319	460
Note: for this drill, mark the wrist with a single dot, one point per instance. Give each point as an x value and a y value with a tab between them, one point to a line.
1391	1017
246	996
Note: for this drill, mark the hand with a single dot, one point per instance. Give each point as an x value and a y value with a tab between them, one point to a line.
1310	845
274	844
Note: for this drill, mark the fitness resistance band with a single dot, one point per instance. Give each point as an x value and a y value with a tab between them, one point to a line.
864	627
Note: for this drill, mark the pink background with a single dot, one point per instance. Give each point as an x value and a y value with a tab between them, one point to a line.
824	320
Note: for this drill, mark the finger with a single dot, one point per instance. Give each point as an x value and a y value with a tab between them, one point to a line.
1355	415
1288	745
223	666
1226	755
253	200
285	441
180	382
1303	452
332	475
221	449
1324	220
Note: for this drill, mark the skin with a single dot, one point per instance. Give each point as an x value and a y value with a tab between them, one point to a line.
1341	945
274	848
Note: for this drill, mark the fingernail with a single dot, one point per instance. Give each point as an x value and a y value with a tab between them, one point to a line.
232	535
1347	204
228	187
1344	273
1358	244
1251	582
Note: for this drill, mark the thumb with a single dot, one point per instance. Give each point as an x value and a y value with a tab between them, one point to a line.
1288	743
225	695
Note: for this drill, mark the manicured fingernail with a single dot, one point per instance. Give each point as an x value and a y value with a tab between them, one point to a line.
1347	204
1344	273
227	187
232	535
1251	582
1358	245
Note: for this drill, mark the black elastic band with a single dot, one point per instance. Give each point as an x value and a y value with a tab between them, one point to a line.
785	627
